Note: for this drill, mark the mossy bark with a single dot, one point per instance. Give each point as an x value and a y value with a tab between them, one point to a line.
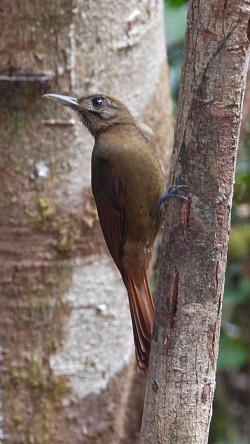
65	365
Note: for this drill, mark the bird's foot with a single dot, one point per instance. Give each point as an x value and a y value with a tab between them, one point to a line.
165	196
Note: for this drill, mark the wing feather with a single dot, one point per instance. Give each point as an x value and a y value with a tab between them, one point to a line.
110	195
112	224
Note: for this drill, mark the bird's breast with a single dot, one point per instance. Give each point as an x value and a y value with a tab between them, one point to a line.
125	170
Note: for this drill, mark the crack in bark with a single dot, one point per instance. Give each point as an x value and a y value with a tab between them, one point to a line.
206	393
217	274
248	30
212	355
219	305
174	298
188	210
219	48
173	306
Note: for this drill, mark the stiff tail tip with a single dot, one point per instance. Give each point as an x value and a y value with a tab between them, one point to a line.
142	314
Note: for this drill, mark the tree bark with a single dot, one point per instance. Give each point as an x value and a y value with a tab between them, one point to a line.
181	382
66	351
245	114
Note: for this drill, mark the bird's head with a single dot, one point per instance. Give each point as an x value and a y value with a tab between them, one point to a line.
96	111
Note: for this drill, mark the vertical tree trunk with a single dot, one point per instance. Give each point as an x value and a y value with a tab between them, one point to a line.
65	330
245	114
181	383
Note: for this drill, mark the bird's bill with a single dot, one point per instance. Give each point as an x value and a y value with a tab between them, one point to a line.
64	100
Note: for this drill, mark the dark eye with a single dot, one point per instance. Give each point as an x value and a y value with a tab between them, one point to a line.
98	102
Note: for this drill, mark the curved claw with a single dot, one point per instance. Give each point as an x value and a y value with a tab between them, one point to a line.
170	193
174	188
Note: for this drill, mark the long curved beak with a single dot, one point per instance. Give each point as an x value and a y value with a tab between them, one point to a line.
64	100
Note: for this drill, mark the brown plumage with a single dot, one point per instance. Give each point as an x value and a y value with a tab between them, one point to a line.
127	183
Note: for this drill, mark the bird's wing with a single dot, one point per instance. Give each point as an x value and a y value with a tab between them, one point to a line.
110	194
109	191
112	223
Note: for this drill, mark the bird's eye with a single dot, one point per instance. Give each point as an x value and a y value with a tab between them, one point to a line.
98	102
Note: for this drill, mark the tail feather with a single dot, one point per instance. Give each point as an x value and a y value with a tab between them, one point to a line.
142	313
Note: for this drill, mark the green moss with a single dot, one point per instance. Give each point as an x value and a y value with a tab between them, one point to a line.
43	428
17	419
30	373
45	393
66	227
35	377
16	375
59	387
51	344
40	210
64	244
69	236
45	208
37	309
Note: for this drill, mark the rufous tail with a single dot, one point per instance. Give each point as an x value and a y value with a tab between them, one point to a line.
142	313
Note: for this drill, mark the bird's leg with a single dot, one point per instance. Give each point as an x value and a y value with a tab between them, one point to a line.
165	196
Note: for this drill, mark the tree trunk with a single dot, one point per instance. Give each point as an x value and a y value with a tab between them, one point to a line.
181	382
65	333
245	114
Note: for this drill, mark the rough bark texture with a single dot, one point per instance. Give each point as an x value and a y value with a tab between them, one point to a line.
65	333
181	383
245	114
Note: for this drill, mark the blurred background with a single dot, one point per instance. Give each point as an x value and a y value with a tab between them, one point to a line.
67	371
231	414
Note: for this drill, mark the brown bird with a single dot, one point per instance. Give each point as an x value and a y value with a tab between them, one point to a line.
127	184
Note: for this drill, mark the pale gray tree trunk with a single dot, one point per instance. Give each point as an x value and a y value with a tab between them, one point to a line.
66	351
181	382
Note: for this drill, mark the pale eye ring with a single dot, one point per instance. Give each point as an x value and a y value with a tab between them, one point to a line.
97	102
